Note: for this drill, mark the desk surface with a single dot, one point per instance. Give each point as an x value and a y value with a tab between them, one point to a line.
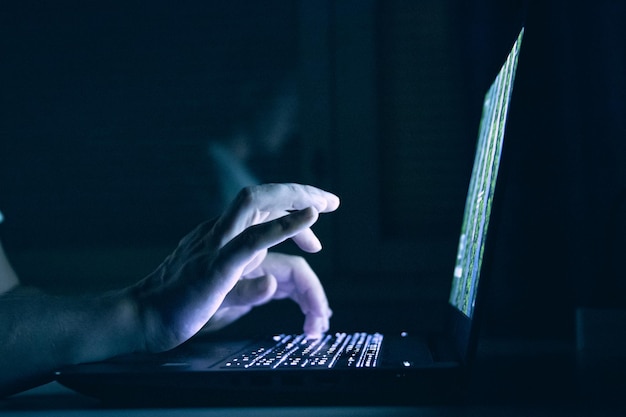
55	400
513	379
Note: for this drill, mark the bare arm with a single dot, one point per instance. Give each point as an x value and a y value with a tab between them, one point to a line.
42	332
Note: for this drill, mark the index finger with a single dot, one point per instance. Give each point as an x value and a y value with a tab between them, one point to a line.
233	258
261	203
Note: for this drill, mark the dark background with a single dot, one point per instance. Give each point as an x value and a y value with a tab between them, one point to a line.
106	107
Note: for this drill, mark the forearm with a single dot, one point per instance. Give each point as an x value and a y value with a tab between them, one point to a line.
42	332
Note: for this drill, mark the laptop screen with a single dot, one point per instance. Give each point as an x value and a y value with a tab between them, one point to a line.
482	186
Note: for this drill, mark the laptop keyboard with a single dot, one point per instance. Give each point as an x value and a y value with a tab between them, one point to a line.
357	350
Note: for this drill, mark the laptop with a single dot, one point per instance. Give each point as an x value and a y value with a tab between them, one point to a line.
339	368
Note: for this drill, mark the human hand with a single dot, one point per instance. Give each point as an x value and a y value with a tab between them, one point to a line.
196	282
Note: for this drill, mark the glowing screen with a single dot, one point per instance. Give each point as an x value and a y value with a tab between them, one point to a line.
482	185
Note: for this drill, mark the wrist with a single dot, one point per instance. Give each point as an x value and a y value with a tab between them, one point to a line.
127	324
112	330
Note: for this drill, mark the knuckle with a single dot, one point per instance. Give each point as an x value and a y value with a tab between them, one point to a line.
246	196
299	262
